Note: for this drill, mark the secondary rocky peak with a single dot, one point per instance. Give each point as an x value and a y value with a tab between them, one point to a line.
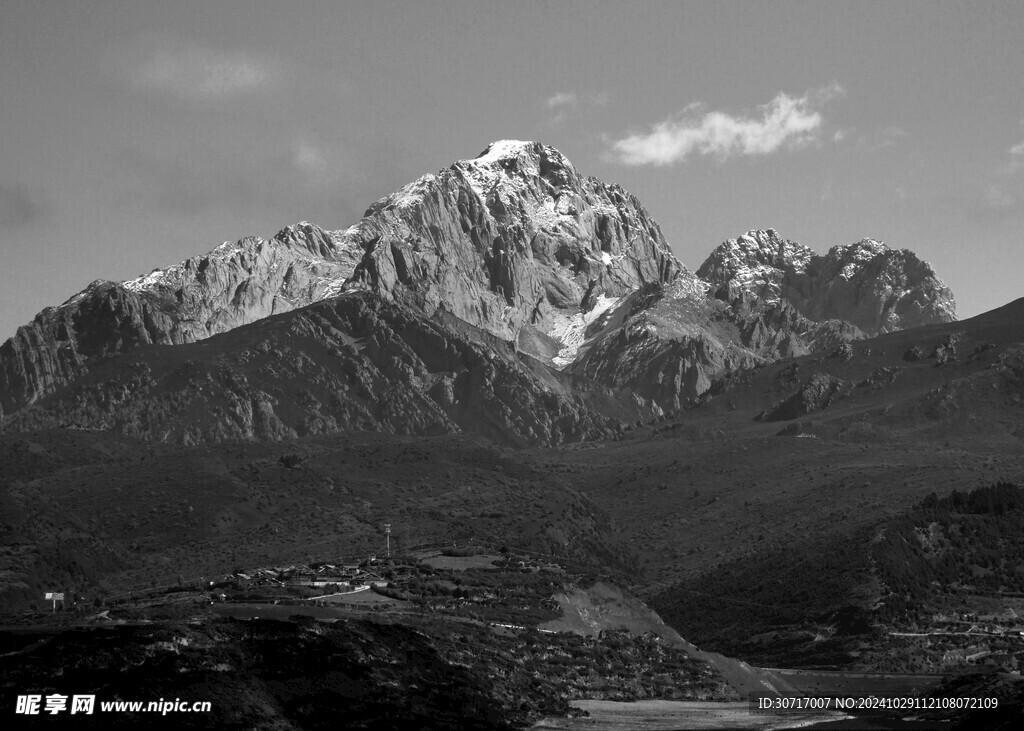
880	289
755	264
759	247
314	240
863	249
851	258
874	287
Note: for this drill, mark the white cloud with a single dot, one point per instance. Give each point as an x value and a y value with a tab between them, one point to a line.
1016	162
19	205
308	157
785	122
316	162
999	197
1005	192
890	136
562	99
872	140
566	102
194	72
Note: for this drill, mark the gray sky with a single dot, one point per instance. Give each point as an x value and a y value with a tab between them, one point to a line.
136	134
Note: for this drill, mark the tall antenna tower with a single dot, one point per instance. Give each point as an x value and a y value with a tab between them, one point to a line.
387	538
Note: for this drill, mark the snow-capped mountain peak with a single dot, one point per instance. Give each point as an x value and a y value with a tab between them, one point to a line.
511	240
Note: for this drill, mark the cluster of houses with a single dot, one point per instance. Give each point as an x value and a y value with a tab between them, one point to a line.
318	575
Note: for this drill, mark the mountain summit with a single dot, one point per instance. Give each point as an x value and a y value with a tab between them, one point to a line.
514	241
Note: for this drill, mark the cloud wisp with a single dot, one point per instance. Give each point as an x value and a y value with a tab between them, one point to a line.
19	206
1006	192
1016	158
563	103
562	99
786	122
193	72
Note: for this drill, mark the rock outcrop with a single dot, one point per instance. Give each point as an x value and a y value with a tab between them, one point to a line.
816	394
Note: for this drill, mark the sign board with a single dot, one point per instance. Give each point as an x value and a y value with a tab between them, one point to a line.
58	596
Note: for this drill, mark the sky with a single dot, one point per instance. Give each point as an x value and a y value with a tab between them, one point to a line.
136	134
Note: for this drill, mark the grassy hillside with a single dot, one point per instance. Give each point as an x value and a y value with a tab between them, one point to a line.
96	515
936	589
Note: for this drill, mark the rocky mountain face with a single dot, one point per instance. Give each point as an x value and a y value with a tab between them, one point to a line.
232	285
873	287
516	242
760	298
566	281
674	344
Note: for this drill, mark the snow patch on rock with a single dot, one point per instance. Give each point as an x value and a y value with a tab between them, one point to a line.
409	195
149	282
571	330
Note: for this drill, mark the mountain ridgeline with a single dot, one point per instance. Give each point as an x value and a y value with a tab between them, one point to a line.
506	295
233	285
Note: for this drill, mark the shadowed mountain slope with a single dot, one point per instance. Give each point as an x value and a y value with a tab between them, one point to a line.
352	363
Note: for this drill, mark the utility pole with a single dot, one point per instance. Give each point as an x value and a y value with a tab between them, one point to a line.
387	538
